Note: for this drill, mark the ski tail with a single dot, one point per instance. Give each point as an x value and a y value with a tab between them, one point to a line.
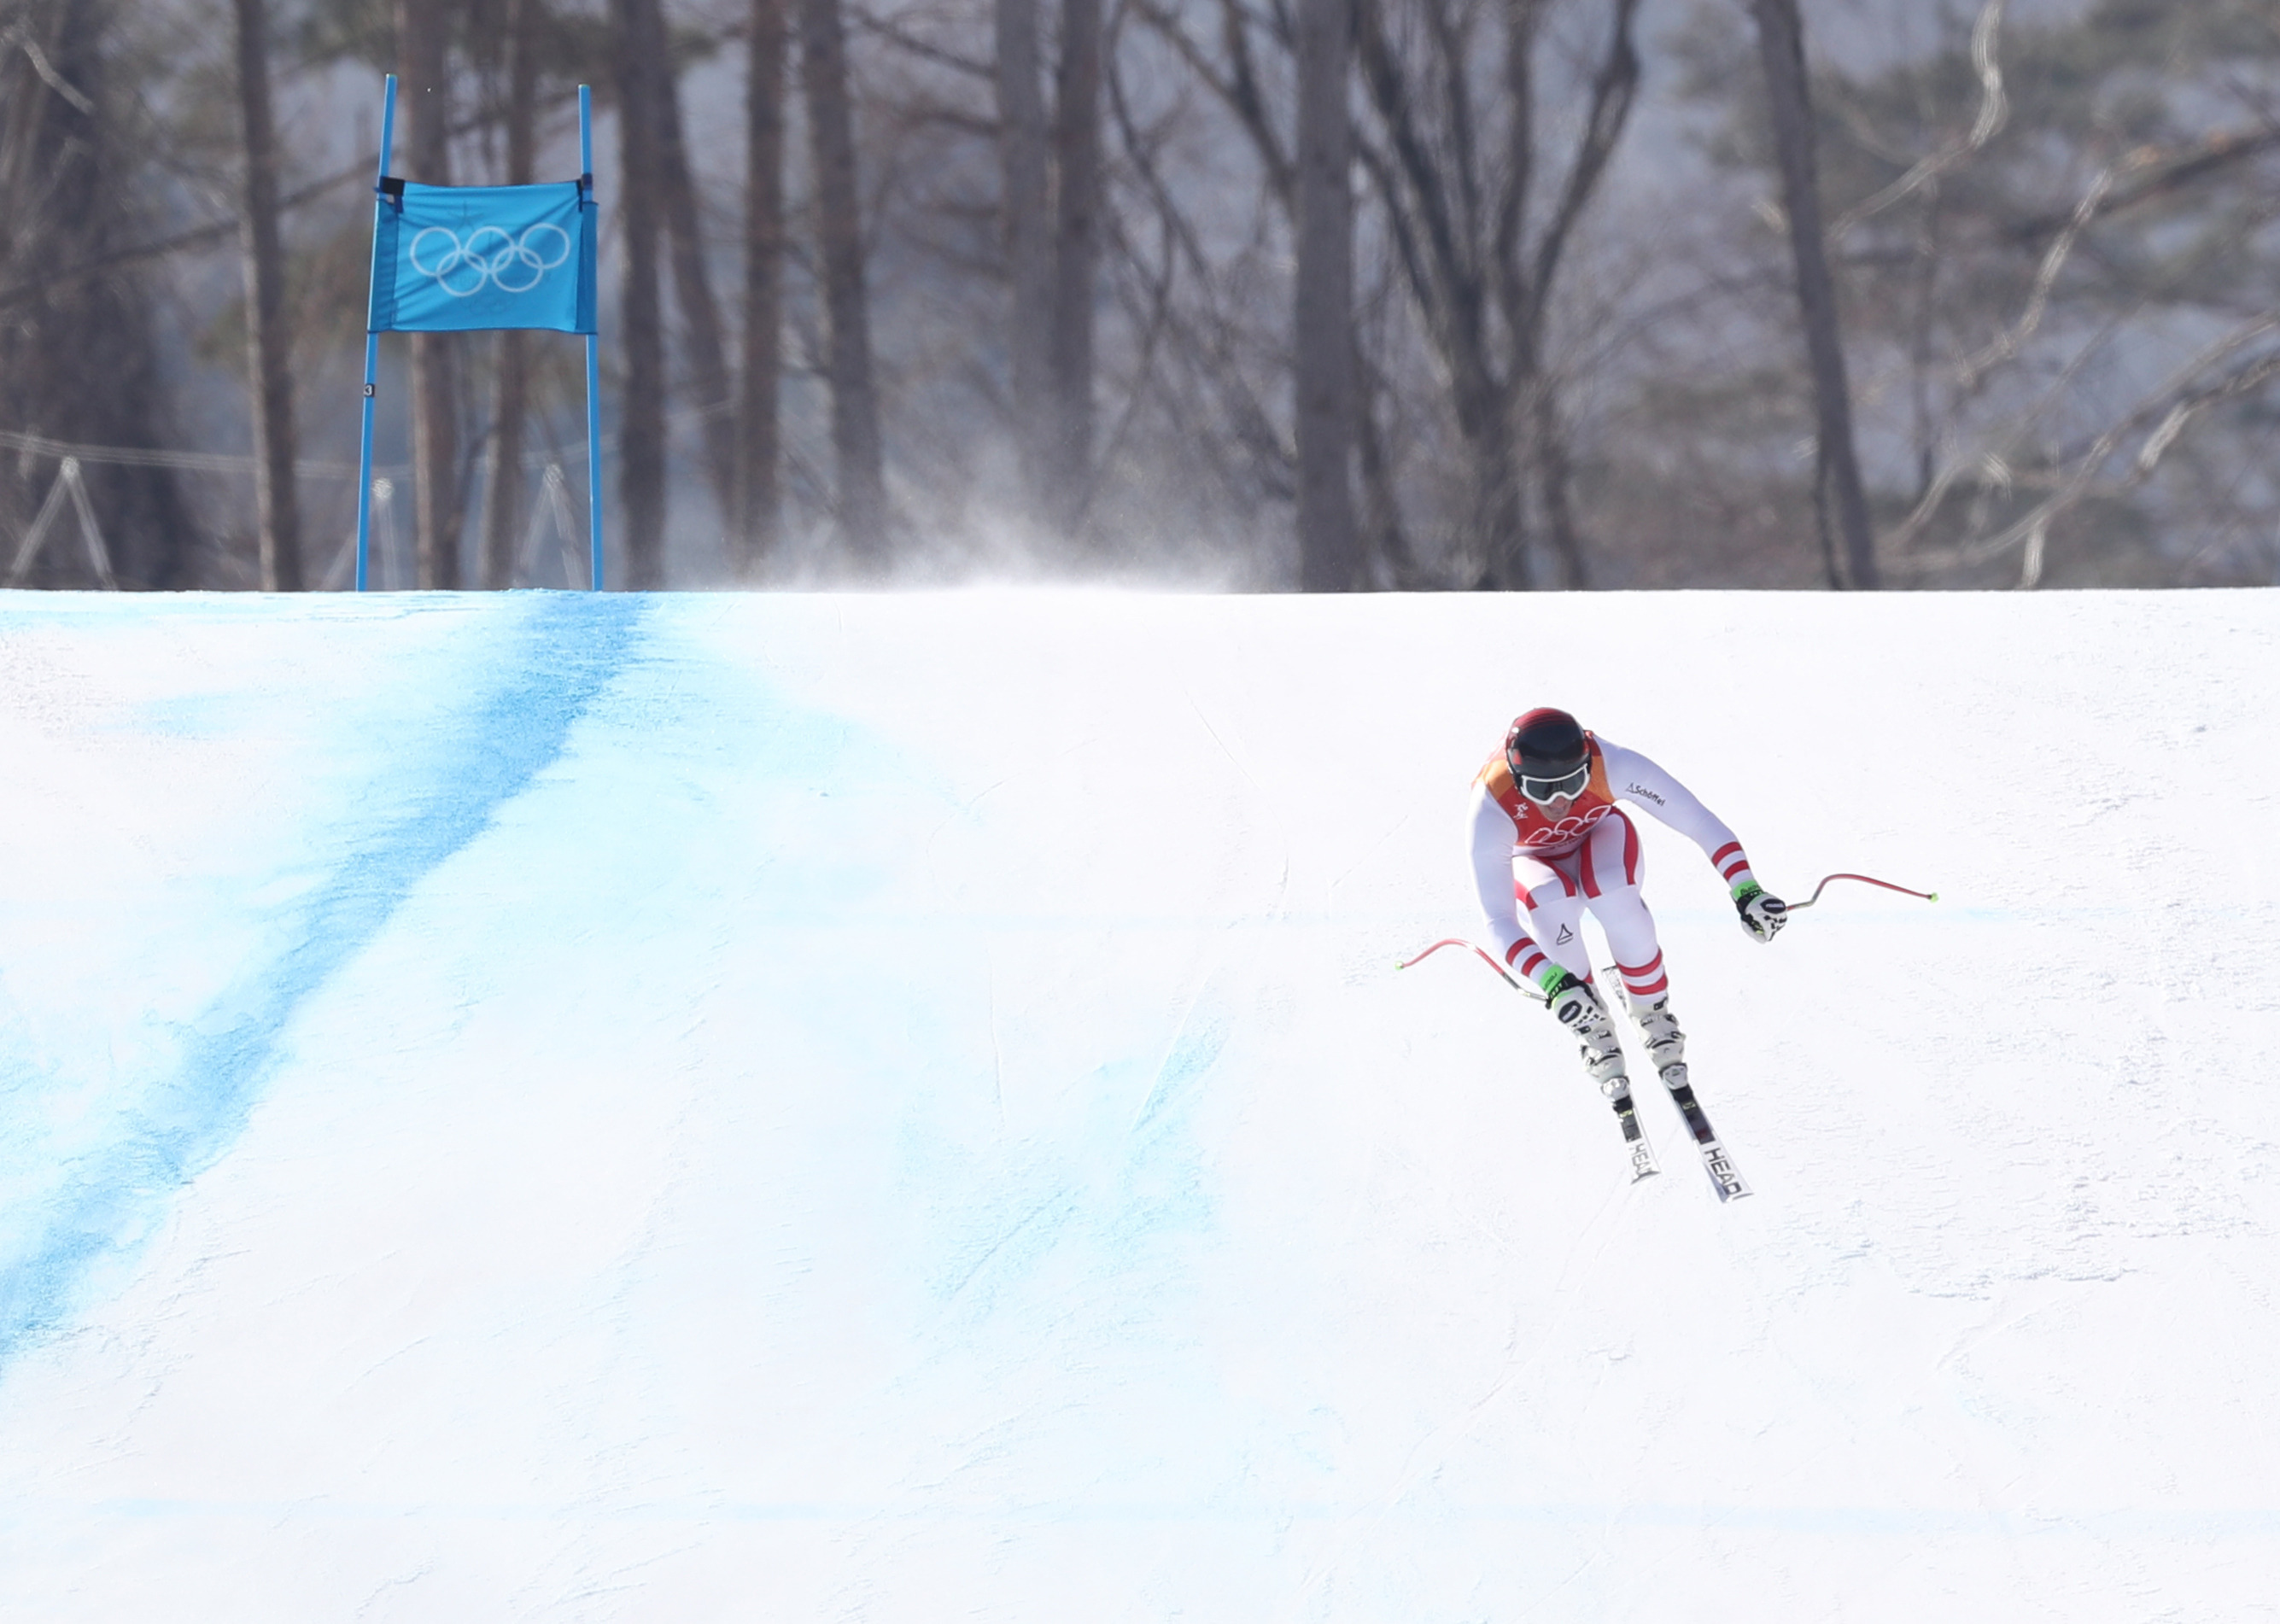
1635	1139
1724	1176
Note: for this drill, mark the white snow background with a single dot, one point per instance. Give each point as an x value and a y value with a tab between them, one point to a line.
901	1108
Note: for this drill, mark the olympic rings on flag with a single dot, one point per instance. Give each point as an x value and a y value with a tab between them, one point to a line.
489	257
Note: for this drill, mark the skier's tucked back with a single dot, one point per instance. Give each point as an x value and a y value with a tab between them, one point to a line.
1549	841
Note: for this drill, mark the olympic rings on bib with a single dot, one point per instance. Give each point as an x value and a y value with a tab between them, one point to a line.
489	257
1568	828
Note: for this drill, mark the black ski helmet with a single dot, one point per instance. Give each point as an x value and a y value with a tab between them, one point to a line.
1547	753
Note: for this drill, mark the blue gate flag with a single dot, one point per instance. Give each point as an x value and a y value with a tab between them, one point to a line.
475	259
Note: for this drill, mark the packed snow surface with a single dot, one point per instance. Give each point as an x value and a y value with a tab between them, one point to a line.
901	1108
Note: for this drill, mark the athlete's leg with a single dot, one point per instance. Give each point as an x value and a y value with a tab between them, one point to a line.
1612	872
1551	901
1609	872
1552	893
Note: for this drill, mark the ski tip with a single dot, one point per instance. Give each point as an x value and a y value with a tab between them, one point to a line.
1931	896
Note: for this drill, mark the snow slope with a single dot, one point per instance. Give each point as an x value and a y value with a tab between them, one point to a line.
900	1108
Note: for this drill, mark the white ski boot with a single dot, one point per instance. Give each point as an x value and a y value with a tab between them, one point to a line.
1575	1004
1666	1044
1603	1057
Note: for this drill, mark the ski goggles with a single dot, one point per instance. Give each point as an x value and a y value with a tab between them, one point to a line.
1541	786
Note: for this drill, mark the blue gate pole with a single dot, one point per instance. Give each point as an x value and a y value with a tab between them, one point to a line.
372	351
593	359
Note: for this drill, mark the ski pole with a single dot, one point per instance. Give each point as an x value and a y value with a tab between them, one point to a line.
1403	963
1866	879
1486	957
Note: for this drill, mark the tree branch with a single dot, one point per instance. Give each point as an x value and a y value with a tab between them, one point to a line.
1612	91
1994	113
2166	411
215	232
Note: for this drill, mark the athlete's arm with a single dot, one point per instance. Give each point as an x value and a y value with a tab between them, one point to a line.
1492	835
1633	778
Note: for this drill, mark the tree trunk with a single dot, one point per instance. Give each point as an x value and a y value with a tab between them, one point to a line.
1077	149
862	500
269	343
755	527
701	344
1381	508
1493	553
1330	559
1781	42
639	51
1495	442
509	406
422	67
1030	324
1555	485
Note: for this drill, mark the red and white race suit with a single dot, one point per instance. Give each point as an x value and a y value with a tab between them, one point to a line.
1539	868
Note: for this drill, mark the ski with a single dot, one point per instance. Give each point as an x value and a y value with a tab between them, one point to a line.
1724	1176
1642	1153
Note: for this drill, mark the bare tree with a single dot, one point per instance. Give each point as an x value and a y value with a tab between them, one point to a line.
1049	161
422	40
1322	341
638	49
1836	482
1454	178
701	346
1076	248
79	354
1029	326
511	396
2053	272
1458	203
268	337
756	519
861	496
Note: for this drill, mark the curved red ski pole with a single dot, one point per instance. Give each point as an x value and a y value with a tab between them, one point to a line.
1866	879
1403	963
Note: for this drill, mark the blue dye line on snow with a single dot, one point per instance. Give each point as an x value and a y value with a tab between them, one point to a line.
1113	1194
566	649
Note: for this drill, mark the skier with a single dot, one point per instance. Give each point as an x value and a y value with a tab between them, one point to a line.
1550	841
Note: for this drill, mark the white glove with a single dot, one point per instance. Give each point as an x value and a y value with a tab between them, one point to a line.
1763	914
